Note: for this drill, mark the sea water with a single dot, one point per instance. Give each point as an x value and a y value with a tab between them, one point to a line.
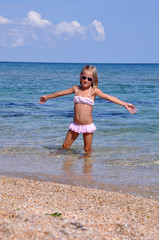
125	147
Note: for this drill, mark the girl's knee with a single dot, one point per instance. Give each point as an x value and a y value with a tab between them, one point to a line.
88	142
88	149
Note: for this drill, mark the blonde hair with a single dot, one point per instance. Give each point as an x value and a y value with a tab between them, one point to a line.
93	70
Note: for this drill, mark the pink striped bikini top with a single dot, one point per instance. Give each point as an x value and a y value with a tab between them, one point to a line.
83	100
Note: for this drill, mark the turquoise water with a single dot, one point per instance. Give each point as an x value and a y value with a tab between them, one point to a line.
125	147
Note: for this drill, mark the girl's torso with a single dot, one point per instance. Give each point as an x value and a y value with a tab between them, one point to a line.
84	102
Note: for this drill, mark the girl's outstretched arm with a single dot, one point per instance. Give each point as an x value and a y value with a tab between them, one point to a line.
130	107
44	98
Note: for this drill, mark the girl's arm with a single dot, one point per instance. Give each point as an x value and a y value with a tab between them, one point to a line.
131	108
44	98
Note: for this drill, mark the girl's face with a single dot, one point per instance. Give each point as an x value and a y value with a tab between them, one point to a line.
86	78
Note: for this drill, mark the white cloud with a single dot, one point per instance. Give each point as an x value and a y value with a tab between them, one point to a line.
4	20
18	36
70	29
18	43
35	20
33	30
99	33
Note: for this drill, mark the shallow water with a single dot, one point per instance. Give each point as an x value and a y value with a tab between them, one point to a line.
125	148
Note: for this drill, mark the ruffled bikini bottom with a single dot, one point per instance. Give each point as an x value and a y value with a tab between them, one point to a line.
90	128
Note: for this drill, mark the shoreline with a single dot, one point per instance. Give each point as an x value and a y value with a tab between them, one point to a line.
145	191
46	210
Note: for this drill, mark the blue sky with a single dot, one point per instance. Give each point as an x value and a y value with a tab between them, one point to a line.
90	31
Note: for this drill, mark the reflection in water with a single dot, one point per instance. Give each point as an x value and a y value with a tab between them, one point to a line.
71	158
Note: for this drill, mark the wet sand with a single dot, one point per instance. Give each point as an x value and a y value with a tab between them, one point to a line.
31	209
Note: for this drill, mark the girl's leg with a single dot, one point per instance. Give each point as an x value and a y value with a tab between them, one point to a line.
87	137
70	138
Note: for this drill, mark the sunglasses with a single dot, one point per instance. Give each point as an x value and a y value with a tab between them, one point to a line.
83	77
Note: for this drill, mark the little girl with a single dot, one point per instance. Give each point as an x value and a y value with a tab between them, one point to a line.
83	105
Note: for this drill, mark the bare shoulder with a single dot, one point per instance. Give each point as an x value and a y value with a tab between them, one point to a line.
74	88
96	91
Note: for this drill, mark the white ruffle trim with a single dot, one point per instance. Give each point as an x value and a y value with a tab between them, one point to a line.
90	128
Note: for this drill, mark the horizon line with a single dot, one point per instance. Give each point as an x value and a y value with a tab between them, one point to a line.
77	62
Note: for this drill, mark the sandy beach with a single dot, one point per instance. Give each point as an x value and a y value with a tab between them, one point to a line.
32	209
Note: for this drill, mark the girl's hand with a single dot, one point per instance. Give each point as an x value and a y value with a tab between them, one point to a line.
43	99
131	108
